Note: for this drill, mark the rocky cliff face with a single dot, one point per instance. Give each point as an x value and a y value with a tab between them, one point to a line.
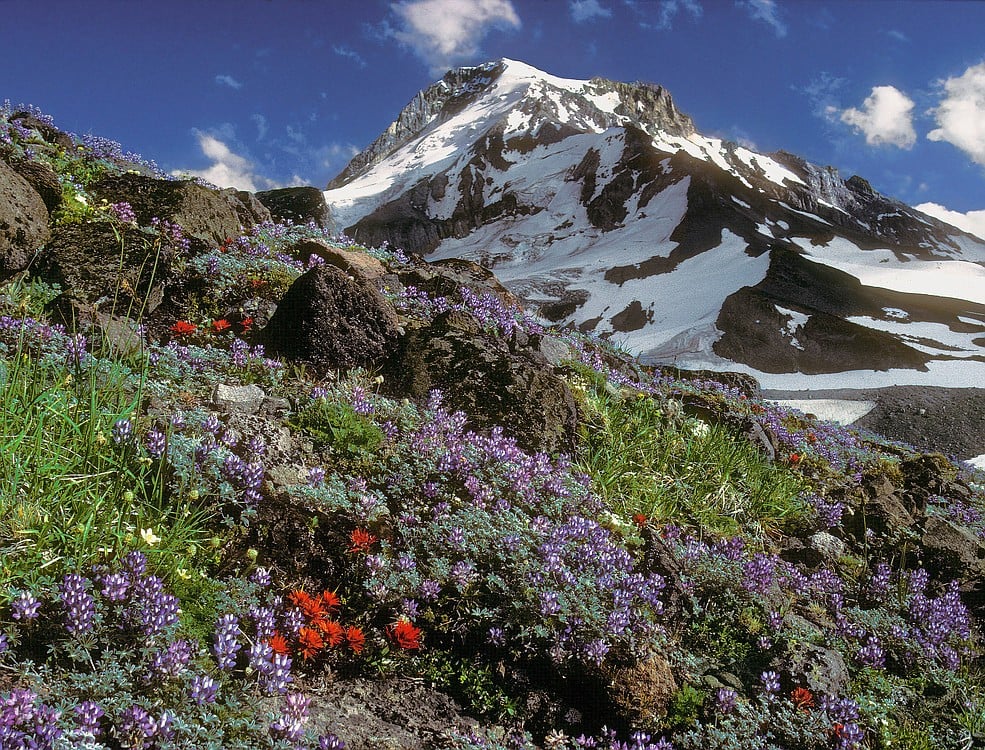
600	204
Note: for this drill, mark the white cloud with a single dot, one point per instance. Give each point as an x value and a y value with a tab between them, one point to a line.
668	11
886	118
766	11
228	169
445	32
961	114
972	222
350	54
586	10
227	80
898	35
261	122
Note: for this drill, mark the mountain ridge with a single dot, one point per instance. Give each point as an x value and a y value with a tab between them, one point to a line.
595	200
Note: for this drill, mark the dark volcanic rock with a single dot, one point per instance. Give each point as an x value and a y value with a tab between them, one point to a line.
43	179
85	260
247	206
444	278
493	385
332	321
297	204
208	216
49	133
23	221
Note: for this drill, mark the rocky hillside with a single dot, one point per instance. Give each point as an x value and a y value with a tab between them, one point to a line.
601	206
261	486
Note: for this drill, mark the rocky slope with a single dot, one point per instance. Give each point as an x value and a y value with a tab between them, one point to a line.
600	204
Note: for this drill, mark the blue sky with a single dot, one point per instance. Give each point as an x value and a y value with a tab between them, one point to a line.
263	93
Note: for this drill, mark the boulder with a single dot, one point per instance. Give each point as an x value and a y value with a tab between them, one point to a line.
481	376
444	278
49	133
43	179
242	399
247	207
640	691
207	216
86	261
821	670
23	222
298	205
330	321
354	263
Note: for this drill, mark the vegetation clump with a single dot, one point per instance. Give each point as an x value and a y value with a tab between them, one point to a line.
767	587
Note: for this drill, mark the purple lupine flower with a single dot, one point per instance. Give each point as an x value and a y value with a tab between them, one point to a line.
496	637
316	476
596	650
156	609
212	265
360	403
123	212
80	607
203	689
293	620
549	604
212	425
878	587
429	590
771	682
726	699
261	576
871	654
757	574
294	714
115	586
76	349
463	573
278	675
172	661
135	563
225	644
122	431
456	538
156	442
87	716
4	643
330	742
24	606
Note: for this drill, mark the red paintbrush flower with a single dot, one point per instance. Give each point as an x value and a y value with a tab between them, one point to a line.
361	540
332	632
803	699
309	642
278	644
329	600
355	639
183	328
405	635
221	325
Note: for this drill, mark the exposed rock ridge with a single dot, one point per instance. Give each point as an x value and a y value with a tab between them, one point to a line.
456	89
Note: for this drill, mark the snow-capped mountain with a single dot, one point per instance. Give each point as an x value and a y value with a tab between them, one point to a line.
600	204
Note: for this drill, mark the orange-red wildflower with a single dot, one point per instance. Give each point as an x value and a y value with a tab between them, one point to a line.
405	635
332	632
361	540
803	699
309	642
355	639
221	325
246	324
795	458
329	600
278	643
183	328
640	520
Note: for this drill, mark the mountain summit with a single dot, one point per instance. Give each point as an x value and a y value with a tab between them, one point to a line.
601	205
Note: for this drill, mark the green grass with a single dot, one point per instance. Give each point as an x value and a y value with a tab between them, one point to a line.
646	457
69	495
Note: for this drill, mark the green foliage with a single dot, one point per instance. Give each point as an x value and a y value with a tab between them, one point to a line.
337	427
646	457
468	680
685	706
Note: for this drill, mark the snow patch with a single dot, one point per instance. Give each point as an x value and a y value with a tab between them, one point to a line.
842	411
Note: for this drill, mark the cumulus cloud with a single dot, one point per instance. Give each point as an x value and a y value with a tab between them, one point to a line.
227	80
586	10
961	113
446	32
766	11
972	222
886	118
228	169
